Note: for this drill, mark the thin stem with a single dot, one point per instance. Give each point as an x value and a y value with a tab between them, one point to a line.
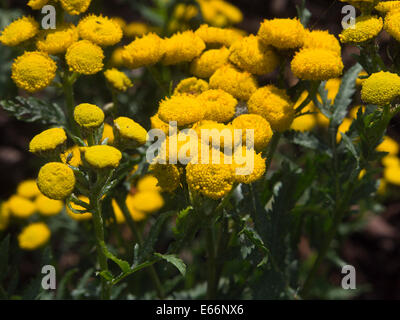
68	88
212	285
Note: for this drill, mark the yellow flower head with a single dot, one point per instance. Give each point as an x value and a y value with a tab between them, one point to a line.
28	189
56	180
135	214
136	29
167	175
317	64
79	216
282	33
75	7
157	123
34	236
120	21
185	12
48	207
56	41
37	4
387	6
366	28
184	109
116	59
220	13
249	166
305	122
88	115
108	132
21	207
391	175
148	183
117	79
261	127
361	78
392	23
251	55
19	31
217	36
48	141
85	57
144	51
103	156
219	105
33	71
182	47
147	201
389	145
274	105
130	132
75	158
100	30
205	65
4	216
380	88
219	135
321	39
191	86
240	84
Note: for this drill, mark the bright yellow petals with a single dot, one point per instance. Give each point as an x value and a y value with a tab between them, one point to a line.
304	123
249	166
366	28
216	36
184	109
48	141
219	105
48	207
135	214
72	156
85	57
116	59
387	6
191	86
75	7
321	39
34	236
79	216
147	201
100	30
28	189
219	135
136	29
251	55
344	127
380	88
129	133
220	13
144	51
4	216
19	31
317	64
182	47
389	145
157	123
274	105
21	207
108	132
391	175
205	65
148	183
361	78
58	40
56	180
33	71
88	115
118	80
37	4
168	176
103	156
262	129
282	33
239	84
392	23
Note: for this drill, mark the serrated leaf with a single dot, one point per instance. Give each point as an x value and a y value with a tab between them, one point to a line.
173	259
307	140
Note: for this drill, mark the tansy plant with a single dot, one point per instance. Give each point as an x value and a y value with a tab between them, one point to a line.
294	159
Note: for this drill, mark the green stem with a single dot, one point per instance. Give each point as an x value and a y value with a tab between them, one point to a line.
68	88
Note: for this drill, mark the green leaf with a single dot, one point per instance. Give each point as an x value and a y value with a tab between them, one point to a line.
303	13
308	140
180	220
124	265
173	259
34	110
63	283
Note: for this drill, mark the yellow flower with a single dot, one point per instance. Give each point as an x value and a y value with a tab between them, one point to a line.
147	201
33	71
135	214
79	216
251	55
205	65
85	57
219	105
240	84
4	216
48	141
389	145
75	160
322	39
184	109
391	175
220	13
167	175
56	41
191	86
344	127
129	132
103	156
157	123
56	180
88	115
48	207
34	236
262	129
120	21
359	80
366	28
390	160
144	51
75	7
317	64
380	88
217	36
108	132
118	79
21	207
136	29
148	183
353	112
305	122
185	12
182	47
282	33
28	189
392	24
219	135
387	6
100	30
116	59
274	105
249	166
37	4
19	31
